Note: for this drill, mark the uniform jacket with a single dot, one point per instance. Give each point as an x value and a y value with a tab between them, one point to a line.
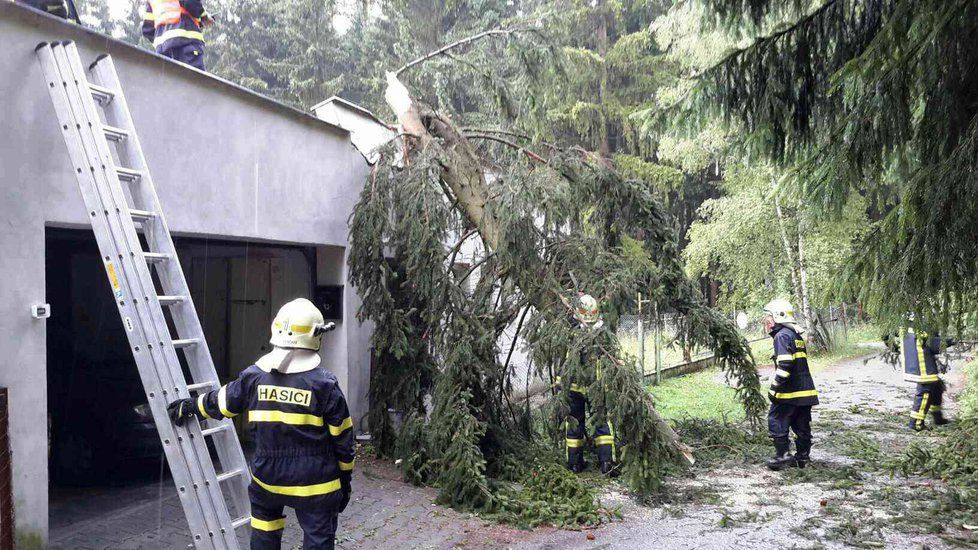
173	23
792	383
303	429
919	357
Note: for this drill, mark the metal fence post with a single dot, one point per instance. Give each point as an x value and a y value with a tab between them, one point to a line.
641	336
658	344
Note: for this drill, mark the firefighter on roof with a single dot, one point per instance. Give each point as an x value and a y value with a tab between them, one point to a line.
303	431
792	392
588	317
176	29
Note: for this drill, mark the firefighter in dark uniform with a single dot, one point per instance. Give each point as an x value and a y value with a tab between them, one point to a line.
792	392
588	317
175	27
303	431
918	354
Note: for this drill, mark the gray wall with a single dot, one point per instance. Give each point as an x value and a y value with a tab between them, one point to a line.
227	164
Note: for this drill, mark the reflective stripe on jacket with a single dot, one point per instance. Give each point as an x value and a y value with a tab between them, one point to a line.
792	382
919	357
302	428
172	22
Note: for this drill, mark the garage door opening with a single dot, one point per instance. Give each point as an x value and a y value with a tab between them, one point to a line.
101	434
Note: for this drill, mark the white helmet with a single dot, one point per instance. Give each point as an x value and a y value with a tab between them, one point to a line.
298	325
586	310
781	310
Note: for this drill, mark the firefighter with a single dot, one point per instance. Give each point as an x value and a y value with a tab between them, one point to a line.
175	27
919	359
792	392
303	431
587	317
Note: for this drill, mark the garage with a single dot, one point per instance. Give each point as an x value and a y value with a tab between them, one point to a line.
100	431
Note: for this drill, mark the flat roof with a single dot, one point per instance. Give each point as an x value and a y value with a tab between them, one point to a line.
352	106
10	8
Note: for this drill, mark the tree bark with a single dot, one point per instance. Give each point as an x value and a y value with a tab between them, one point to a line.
792	266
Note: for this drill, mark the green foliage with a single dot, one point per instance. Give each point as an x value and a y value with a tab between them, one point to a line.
549	494
737	241
719	441
473	428
660	178
867	98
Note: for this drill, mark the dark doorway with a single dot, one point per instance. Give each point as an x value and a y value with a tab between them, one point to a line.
100	431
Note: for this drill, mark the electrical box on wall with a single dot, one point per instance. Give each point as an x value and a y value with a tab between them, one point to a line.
329	299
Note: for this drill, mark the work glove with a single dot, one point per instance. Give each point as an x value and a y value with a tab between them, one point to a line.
181	411
347	490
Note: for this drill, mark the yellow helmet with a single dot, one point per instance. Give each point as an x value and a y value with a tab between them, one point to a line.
781	310
587	310
298	325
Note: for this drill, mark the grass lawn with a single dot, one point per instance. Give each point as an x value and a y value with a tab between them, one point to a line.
704	395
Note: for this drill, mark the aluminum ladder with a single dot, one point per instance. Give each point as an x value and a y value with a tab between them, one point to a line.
215	504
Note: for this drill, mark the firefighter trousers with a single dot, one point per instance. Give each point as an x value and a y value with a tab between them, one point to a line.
783	417
191	53
576	431
317	517
928	399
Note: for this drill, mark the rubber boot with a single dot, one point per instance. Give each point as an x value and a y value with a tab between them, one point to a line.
782	455
578	467
916	425
802	449
939	419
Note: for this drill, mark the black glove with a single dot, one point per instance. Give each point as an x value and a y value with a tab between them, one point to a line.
181	411
347	491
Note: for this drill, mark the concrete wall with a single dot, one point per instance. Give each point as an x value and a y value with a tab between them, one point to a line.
228	163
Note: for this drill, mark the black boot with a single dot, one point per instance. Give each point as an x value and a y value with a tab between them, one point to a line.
916	425
939	419
802	449
782	457
578	466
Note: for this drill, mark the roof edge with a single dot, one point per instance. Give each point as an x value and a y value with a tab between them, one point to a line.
152	57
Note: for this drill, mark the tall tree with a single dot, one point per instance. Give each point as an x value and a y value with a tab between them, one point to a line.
876	97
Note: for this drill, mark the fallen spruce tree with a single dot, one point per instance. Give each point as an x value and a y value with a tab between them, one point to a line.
552	222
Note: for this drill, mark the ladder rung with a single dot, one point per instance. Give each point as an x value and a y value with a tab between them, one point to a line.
228	475
128	175
185	343
155	257
114	134
170	300
201	385
216	429
141	215
101	94
244	520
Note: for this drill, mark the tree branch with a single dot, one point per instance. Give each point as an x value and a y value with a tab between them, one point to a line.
457	43
526	151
